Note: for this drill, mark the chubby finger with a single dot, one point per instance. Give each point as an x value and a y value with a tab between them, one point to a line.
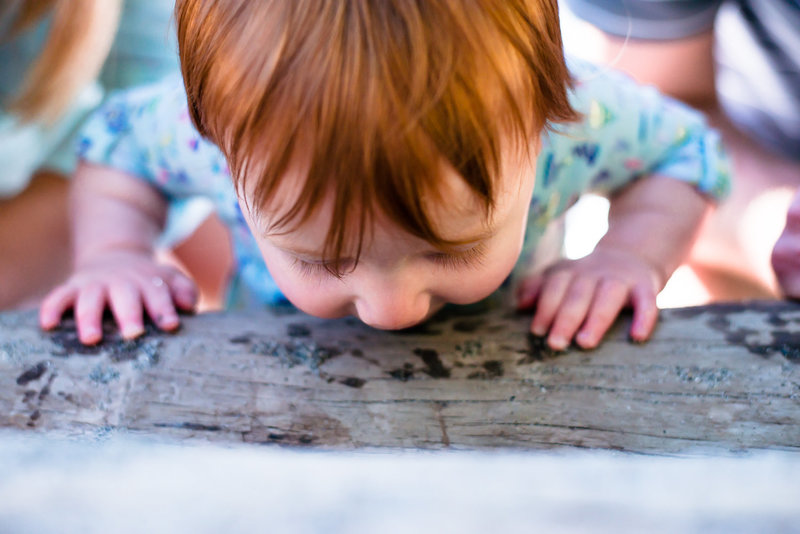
158	302
785	256
89	308
572	312
609	299
528	291
790	285
126	305
550	296
793	214
786	262
183	290
645	312
55	304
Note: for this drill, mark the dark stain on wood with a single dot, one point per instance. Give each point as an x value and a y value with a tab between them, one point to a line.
761	306
103	374
439	406
46	389
783	342
422	329
468	325
32	373
353	382
296	352
190	426
494	368
69	397
65	336
491	369
470	348
433	365
297	330
404	373
711	377
35	415
33	399
307	429
776	320
537	351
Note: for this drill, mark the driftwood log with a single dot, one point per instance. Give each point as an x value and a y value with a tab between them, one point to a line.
715	378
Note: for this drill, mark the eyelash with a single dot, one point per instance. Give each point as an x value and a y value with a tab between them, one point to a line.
309	269
469	258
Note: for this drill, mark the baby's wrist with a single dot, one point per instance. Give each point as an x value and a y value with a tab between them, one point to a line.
660	272
101	252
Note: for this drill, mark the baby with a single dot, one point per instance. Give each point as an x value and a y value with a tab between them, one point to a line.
383	158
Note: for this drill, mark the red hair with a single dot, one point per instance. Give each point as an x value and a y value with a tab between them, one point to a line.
369	96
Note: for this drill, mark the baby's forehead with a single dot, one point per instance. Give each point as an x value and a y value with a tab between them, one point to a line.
456	214
452	206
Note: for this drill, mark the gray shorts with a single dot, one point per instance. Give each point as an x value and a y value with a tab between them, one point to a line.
757	54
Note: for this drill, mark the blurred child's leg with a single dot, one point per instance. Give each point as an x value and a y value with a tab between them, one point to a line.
732	255
34	241
206	256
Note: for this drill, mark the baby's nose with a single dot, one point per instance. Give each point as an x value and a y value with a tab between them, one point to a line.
393	311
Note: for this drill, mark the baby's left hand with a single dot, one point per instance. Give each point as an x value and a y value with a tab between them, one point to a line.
580	299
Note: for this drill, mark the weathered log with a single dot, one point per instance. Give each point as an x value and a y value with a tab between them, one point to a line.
721	377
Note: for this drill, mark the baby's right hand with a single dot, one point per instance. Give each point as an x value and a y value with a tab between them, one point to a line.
124	280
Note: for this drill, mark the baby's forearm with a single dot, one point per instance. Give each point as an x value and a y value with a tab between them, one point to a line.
112	210
116	218
658	219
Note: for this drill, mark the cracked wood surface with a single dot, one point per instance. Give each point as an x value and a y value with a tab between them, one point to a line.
720	377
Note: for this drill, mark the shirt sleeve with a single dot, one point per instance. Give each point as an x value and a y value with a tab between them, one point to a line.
147	133
648	19
627	131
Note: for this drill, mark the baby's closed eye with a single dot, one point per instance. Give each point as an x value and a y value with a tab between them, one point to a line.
470	258
321	269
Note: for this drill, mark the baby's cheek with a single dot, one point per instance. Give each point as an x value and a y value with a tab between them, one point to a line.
476	285
469	289
310	296
318	305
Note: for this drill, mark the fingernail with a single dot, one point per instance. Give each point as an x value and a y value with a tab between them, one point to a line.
538	330
168	321
90	336
132	331
584	339
638	332
557	342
